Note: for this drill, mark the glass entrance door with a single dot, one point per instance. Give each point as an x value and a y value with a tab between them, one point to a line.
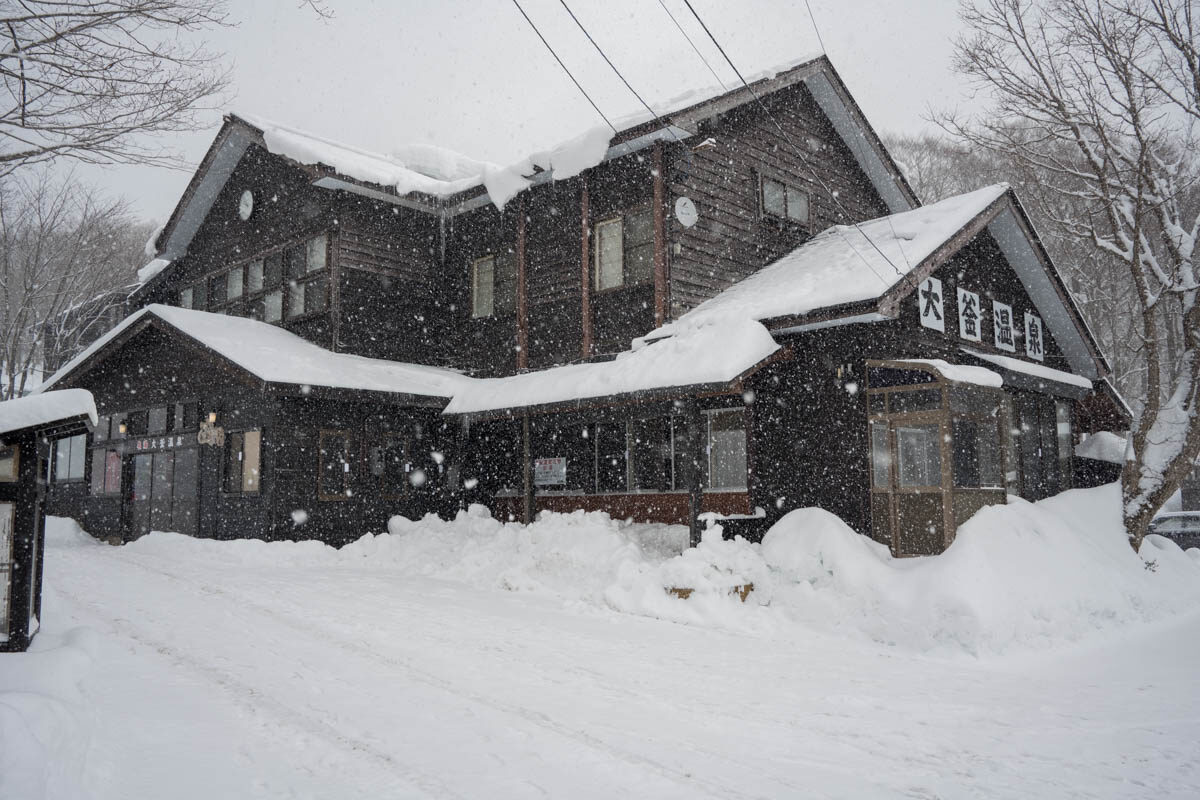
164	492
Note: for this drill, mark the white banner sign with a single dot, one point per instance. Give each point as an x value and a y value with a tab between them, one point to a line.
1002	319
970	315
550	471
1035	347
932	304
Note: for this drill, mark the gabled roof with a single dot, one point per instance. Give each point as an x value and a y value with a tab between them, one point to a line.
862	272
273	355
436	180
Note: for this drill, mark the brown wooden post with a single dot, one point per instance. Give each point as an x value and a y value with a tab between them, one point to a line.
660	236
585	273
522	289
694	461
527	472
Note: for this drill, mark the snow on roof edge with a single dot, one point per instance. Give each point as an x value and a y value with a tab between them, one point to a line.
46	408
1033	370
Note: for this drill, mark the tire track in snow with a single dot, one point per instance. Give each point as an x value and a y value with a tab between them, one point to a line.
537	718
254	701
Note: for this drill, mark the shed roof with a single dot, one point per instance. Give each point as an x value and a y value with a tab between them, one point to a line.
278	356
46	409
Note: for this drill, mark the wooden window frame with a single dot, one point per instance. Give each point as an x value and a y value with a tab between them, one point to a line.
390	437
709	413
785	218
476	263
83	476
241	491
351	458
308	278
619	221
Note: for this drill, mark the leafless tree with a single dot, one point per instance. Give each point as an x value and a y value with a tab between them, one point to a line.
1116	84
65	253
87	79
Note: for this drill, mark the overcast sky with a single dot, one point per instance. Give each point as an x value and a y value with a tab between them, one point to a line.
471	75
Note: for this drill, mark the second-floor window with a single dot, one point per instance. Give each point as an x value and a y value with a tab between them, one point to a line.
494	285
784	201
623	252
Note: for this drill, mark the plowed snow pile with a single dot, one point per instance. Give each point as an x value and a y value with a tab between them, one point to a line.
1021	576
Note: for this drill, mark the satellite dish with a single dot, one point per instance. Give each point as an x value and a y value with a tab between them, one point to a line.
685	212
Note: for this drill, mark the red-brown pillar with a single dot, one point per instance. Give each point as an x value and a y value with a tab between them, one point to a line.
660	236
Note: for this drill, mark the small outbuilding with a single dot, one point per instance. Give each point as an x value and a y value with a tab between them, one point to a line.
28	428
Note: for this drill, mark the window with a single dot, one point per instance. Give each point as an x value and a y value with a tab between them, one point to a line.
611	454
483	282
651	447
919	455
272	306
977	454
254	276
726	449
9	462
185	298
69	458
624	251
784	201
335	480
157	420
216	291
200	296
389	464
307	283
233	283
106	471
881	458
609	269
1066	444
242	462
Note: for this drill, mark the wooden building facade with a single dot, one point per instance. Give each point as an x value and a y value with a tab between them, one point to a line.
407	347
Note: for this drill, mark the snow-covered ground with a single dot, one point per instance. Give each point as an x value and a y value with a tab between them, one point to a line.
1036	658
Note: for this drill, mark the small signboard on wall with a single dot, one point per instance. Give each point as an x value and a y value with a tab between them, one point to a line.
1035	346
1002	320
550	471
970	315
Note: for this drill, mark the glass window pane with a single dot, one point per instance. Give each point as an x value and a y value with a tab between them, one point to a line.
727	450
185	298
273	306
157	420
610	458
254	276
504	284
251	447
112	472
1066	443
918	450
977	454
797	204
482	286
200	296
639	228
773	197
609	268
297	260
62	460
273	270
216	290
316	253
314	296
233	462
98	471
78	457
651	448
295	299
233	286
881	459
921	400
639	263
9	463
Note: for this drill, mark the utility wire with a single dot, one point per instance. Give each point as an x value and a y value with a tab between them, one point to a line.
787	139
693	44
816	30
564	66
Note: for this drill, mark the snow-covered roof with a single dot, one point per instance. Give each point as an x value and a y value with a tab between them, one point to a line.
959	373
1039	371
843	264
1103	446
47	408
152	268
709	355
279	356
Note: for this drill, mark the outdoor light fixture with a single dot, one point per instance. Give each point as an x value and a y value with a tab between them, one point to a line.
212	418
121	428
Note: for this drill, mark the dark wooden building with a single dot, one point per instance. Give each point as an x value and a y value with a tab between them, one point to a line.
736	308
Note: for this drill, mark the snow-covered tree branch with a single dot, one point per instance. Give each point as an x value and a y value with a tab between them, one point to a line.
1101	96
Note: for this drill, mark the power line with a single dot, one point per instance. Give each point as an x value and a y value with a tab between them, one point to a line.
833	195
693	44
564	66
815	28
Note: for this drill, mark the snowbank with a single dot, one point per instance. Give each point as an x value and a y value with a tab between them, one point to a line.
45	722
1019	577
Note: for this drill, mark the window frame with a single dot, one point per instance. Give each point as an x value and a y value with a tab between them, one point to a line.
709	413
385	492
241	490
619	222
71	478
787	189
476	264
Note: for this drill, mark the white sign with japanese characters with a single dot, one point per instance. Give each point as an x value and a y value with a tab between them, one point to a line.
549	471
970	315
932	304
1035	347
1002	321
